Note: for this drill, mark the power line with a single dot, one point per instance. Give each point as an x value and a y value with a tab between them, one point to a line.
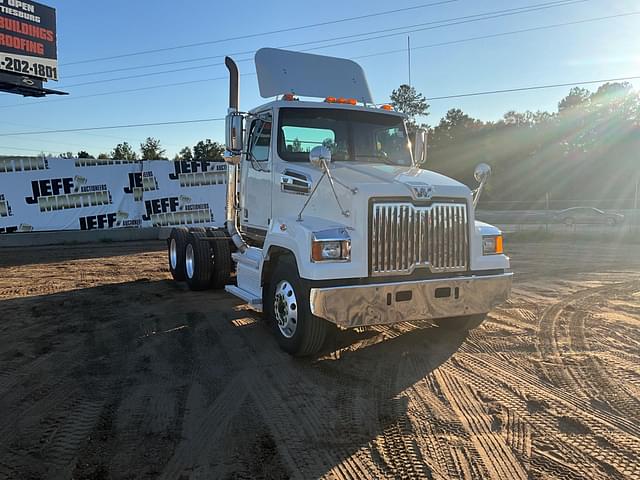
439	44
113	127
535	87
500	34
28	149
460	95
130	90
253	35
431	25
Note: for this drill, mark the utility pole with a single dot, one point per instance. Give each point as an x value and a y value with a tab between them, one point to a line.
409	57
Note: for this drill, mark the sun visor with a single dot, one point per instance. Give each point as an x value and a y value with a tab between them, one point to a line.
307	75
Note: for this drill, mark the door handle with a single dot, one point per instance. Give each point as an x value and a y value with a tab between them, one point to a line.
295	182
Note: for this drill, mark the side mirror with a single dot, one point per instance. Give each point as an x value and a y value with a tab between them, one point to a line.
319	155
481	174
234	127
420	147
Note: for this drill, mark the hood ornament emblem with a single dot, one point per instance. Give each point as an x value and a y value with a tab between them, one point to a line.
421	191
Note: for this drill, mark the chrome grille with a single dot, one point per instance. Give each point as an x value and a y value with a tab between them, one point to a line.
406	236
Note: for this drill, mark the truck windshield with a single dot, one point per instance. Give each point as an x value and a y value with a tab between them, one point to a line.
352	135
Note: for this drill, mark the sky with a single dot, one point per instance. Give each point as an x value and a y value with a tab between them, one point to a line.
90	30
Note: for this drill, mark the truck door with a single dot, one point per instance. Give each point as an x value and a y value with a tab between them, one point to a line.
255	190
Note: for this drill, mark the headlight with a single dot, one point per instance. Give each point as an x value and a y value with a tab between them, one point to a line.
331	250
492	245
332	245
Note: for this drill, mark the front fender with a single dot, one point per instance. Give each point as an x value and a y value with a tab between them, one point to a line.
288	233
486	262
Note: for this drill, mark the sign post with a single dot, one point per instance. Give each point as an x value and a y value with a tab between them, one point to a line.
28	47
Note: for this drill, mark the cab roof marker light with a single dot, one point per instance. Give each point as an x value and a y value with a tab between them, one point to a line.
330	100
387	107
346	101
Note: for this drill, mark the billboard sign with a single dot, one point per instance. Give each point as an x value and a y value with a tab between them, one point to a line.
28	39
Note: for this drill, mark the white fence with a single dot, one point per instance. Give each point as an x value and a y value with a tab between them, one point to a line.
43	194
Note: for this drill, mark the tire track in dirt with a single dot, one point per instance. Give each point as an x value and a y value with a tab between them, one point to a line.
614	451
214	424
443	440
498	458
598	382
298	402
311	444
439	432
395	445
585	378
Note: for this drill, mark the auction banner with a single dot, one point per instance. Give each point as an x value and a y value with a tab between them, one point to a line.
45	194
28	44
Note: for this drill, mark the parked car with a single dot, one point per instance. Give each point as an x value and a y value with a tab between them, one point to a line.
587	215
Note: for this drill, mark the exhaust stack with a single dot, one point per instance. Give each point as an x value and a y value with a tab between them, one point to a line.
234	84
232	167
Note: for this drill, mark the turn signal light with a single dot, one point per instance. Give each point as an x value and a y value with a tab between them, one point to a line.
492	245
499	245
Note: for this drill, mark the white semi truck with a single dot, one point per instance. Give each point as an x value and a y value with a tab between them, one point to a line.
330	217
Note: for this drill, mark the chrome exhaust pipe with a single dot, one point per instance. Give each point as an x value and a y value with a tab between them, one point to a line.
232	168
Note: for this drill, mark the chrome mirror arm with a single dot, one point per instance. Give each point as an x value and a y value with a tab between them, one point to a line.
344	212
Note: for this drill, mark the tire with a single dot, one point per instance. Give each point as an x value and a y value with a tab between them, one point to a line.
286	300
461	324
176	244
221	257
197	260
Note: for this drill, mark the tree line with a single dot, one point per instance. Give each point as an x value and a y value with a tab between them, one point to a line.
151	149
586	151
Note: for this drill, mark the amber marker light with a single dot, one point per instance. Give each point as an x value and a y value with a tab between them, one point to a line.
499	245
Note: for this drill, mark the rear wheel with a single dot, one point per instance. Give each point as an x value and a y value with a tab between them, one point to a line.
220	258
197	261
287	306
176	244
461	324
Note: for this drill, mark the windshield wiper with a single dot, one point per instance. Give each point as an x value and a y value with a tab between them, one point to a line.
381	158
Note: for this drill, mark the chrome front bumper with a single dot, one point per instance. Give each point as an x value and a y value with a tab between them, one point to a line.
385	303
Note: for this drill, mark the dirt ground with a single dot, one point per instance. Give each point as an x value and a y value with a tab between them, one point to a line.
110	370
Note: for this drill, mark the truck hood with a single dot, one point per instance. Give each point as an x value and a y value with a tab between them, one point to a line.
393	180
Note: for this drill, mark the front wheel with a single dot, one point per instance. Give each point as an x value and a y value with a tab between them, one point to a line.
287	306
461	324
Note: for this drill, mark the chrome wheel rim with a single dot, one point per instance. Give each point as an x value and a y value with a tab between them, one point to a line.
189	261
173	253
285	307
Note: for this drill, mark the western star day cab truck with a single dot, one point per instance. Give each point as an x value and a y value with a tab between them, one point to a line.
330	217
